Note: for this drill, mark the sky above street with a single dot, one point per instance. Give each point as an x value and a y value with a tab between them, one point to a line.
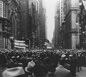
50	6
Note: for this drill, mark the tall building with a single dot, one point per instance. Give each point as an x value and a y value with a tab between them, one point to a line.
71	36
14	17
4	23
67	27
82	22
24	18
29	14
36	12
57	25
59	20
10	21
34	20
61	12
42	22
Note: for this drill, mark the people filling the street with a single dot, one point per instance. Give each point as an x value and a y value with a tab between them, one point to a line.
61	71
45	63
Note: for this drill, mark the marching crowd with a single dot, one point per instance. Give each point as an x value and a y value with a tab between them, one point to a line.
44	63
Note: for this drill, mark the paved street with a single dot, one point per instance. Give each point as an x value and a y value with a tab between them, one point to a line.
82	73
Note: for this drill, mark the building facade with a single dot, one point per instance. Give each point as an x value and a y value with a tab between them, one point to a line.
71	36
24	17
59	20
61	12
25	20
36	12
33	14
42	25
82	16
9	19
57	26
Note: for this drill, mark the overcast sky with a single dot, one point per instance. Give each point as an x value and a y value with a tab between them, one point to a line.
50	13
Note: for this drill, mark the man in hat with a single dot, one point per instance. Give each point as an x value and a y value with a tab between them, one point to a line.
60	70
29	67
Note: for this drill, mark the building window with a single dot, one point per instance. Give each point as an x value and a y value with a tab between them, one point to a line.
1	8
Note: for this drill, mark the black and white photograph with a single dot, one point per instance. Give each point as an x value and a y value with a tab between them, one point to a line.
42	38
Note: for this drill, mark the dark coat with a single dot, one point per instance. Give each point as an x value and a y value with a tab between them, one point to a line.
61	72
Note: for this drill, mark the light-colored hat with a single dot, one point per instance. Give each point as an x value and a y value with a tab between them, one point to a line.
63	56
30	64
13	72
70	55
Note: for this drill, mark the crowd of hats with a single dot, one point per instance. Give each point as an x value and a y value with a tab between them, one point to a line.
17	56
48	58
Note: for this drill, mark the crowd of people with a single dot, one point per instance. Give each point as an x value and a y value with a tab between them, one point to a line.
42	63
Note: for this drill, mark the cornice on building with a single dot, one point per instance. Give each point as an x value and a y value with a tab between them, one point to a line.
70	5
72	9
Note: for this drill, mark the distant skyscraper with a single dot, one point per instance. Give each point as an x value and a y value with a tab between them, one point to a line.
57	24
36	12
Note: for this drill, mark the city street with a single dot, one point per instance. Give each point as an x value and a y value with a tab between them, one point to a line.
42	38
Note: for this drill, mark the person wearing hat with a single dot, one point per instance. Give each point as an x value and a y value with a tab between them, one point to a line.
14	72
73	64
61	71
29	68
40	70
